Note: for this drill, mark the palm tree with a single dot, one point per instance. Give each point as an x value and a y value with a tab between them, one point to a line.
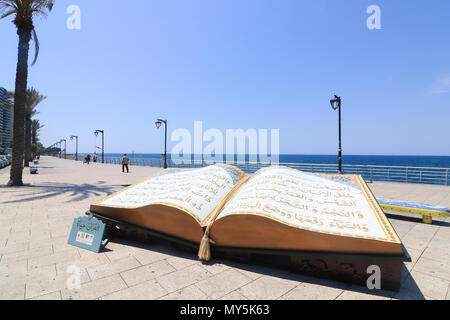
35	128
23	11
33	99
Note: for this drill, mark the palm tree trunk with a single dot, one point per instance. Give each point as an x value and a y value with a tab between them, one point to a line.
20	96
27	159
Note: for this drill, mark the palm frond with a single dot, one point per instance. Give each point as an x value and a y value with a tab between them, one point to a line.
36	124
34	98
36	47
7	13
24	11
35	128
7	5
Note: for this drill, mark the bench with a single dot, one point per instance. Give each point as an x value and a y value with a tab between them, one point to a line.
427	211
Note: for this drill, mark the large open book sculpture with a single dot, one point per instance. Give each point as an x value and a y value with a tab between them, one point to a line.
327	225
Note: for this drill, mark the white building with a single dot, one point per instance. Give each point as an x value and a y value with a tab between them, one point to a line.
6	120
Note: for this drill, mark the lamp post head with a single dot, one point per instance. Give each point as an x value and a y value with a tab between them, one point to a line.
335	102
159	122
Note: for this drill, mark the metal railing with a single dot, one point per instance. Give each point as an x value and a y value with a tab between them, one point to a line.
403	174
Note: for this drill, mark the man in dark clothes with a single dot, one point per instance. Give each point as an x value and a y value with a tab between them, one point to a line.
125	161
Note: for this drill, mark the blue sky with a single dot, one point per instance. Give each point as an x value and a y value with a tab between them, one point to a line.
244	64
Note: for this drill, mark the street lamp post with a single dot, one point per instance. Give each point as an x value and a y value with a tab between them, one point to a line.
65	147
103	143
158	124
76	152
336	104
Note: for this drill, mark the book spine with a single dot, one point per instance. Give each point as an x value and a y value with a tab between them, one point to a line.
204	252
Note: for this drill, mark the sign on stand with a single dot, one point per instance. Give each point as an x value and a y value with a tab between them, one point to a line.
87	233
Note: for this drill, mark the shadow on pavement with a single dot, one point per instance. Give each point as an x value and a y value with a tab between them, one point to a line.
408	291
74	191
416	220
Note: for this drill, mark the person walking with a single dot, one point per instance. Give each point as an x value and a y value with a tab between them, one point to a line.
125	161
94	158
87	159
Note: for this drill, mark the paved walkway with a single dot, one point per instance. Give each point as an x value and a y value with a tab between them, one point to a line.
35	221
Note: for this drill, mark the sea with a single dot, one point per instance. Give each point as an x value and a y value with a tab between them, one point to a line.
371	160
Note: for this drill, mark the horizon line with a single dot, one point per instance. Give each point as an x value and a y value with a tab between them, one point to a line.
281	154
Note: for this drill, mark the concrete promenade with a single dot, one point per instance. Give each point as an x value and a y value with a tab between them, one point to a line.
35	221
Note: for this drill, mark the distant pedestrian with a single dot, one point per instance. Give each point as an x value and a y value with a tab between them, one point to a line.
125	161
87	159
94	158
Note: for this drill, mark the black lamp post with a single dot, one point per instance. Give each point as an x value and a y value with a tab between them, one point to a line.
65	147
158	124
76	152
336	104
103	143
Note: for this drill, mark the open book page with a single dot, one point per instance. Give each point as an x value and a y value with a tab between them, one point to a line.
312	202
196	191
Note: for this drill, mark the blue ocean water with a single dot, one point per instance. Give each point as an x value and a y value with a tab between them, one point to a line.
377	160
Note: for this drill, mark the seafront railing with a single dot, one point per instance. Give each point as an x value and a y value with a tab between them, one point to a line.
404	174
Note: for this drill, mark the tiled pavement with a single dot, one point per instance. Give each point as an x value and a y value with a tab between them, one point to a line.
34	258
